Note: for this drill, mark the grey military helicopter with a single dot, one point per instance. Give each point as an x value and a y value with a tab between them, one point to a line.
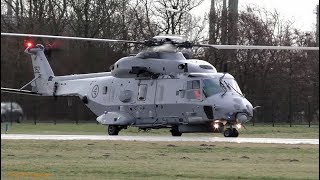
160	87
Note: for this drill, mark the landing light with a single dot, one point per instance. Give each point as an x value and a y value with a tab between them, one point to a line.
238	126
216	126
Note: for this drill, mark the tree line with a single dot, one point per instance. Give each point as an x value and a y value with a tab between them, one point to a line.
284	83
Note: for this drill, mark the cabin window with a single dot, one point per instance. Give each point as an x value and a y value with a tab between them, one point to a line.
105	90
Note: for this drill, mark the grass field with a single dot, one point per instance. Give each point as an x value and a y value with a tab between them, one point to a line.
29	159
259	130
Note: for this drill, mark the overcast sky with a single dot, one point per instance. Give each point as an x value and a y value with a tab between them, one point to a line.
301	12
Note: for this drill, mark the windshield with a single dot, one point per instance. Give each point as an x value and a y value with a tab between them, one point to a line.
213	86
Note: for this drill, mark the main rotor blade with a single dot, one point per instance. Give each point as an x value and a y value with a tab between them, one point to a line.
258	47
137	42
71	38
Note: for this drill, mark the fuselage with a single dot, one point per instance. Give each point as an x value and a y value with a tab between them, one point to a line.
167	100
151	90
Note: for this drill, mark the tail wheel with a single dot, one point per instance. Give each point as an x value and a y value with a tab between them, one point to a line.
113	130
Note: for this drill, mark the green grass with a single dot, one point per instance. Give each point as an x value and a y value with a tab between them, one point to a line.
29	159
259	130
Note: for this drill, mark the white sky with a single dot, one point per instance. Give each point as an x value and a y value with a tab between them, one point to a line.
301	12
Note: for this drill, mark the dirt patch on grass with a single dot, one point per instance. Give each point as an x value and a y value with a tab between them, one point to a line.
23	175
288	160
244	157
171	145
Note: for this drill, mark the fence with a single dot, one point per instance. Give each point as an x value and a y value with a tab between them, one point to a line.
72	110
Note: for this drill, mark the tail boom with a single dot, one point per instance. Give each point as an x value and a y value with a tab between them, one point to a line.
43	73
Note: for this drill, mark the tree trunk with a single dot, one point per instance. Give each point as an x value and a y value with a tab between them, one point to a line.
232	29
212	32
317	31
212	23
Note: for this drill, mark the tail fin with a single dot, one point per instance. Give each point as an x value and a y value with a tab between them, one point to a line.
42	83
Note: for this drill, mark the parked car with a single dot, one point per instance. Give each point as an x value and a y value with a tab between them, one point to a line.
8	114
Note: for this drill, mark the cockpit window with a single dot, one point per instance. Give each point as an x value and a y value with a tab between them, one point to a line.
193	90
211	87
195	84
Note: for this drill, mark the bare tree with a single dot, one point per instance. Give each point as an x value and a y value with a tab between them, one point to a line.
173	13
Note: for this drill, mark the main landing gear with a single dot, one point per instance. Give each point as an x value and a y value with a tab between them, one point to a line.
231	132
175	131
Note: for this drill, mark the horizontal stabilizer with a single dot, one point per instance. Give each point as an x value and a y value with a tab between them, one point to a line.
18	91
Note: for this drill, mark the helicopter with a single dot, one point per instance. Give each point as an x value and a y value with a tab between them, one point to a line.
161	87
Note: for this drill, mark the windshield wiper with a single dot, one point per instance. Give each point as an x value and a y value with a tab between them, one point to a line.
229	85
222	85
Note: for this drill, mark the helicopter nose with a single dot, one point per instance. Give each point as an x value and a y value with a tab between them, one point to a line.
242	118
248	106
232	107
244	108
243	105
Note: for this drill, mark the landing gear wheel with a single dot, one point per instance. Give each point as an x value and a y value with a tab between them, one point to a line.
175	131
235	132
231	132
228	133
113	130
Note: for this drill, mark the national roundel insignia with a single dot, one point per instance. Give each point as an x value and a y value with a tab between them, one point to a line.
95	91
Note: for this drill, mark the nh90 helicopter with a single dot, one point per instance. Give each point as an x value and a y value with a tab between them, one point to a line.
158	88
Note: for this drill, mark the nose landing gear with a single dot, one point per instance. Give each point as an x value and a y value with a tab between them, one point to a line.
231	132
113	130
